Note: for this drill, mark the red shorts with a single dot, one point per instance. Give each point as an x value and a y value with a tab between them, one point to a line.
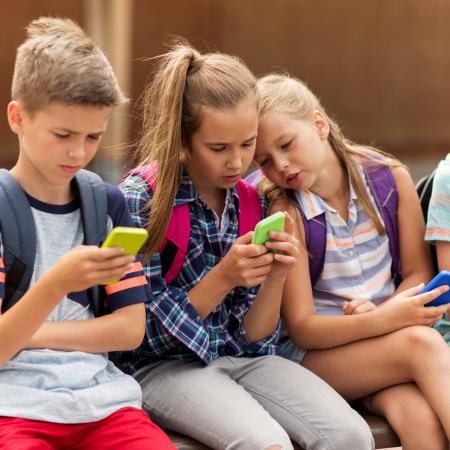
126	429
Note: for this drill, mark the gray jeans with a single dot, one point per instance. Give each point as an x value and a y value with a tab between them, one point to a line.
251	403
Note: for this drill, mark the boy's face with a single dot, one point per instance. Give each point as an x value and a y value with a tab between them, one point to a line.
58	140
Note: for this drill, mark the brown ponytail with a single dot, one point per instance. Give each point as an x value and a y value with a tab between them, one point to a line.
184	81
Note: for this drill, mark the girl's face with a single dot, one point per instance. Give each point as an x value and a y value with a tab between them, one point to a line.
291	152
223	147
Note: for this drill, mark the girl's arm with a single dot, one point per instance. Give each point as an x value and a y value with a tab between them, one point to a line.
312	331
244	264
263	316
415	258
443	254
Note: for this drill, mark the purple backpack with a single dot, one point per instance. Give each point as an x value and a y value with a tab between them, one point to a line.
174	247
384	190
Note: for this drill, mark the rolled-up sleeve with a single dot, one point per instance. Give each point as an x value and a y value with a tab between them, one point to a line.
438	222
244	297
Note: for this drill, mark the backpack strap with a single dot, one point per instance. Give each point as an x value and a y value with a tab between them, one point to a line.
18	236
176	241
424	188
249	207
383	187
316	241
19	232
254	178
175	244
94	213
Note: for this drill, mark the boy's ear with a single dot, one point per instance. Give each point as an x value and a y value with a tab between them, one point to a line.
15	116
322	125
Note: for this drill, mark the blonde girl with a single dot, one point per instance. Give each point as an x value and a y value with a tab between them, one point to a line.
368	336
207	365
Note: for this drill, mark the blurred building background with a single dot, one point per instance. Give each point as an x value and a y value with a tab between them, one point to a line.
381	67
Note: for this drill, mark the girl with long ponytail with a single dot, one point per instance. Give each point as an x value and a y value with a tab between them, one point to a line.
208	366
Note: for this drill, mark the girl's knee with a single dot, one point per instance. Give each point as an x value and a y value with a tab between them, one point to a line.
276	440
424	344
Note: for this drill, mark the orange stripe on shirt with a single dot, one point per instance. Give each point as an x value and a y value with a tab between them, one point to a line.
137	267
2	264
311	203
2	277
364	230
126	284
431	231
337	243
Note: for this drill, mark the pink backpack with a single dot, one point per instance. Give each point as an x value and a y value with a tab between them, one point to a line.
174	247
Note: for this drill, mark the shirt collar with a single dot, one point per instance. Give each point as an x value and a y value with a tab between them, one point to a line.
187	193
312	205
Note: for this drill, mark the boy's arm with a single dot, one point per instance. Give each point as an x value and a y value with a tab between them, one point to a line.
123	329
19	323
82	267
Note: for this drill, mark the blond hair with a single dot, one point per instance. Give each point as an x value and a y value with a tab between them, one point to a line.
284	94
58	62
184	81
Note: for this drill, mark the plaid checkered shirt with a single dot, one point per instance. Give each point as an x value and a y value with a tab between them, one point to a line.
174	328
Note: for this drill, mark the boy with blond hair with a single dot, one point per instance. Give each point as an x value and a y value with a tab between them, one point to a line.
59	390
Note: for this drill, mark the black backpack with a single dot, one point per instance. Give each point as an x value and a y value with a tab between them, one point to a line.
424	188
19	234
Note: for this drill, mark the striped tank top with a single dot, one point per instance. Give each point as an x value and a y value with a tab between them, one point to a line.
357	261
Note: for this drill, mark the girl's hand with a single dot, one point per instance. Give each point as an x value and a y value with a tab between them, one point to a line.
86	266
408	307
287	246
245	264
357	306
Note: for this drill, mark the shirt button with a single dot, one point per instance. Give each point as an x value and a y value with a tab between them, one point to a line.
350	253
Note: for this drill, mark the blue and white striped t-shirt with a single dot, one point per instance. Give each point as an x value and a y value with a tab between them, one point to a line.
357	258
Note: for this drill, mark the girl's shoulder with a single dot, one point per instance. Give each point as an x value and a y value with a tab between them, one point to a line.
135	185
443	168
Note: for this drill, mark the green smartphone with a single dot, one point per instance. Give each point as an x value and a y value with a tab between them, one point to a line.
275	222
131	239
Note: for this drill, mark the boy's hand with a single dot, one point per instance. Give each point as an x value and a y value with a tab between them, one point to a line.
357	306
287	247
408	307
86	266
245	264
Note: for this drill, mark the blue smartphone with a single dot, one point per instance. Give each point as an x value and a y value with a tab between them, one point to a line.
440	279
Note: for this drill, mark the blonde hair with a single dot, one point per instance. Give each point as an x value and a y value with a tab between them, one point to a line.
58	62
284	94
184	81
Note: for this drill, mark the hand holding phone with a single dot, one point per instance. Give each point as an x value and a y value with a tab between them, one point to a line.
442	278
129	238
275	222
